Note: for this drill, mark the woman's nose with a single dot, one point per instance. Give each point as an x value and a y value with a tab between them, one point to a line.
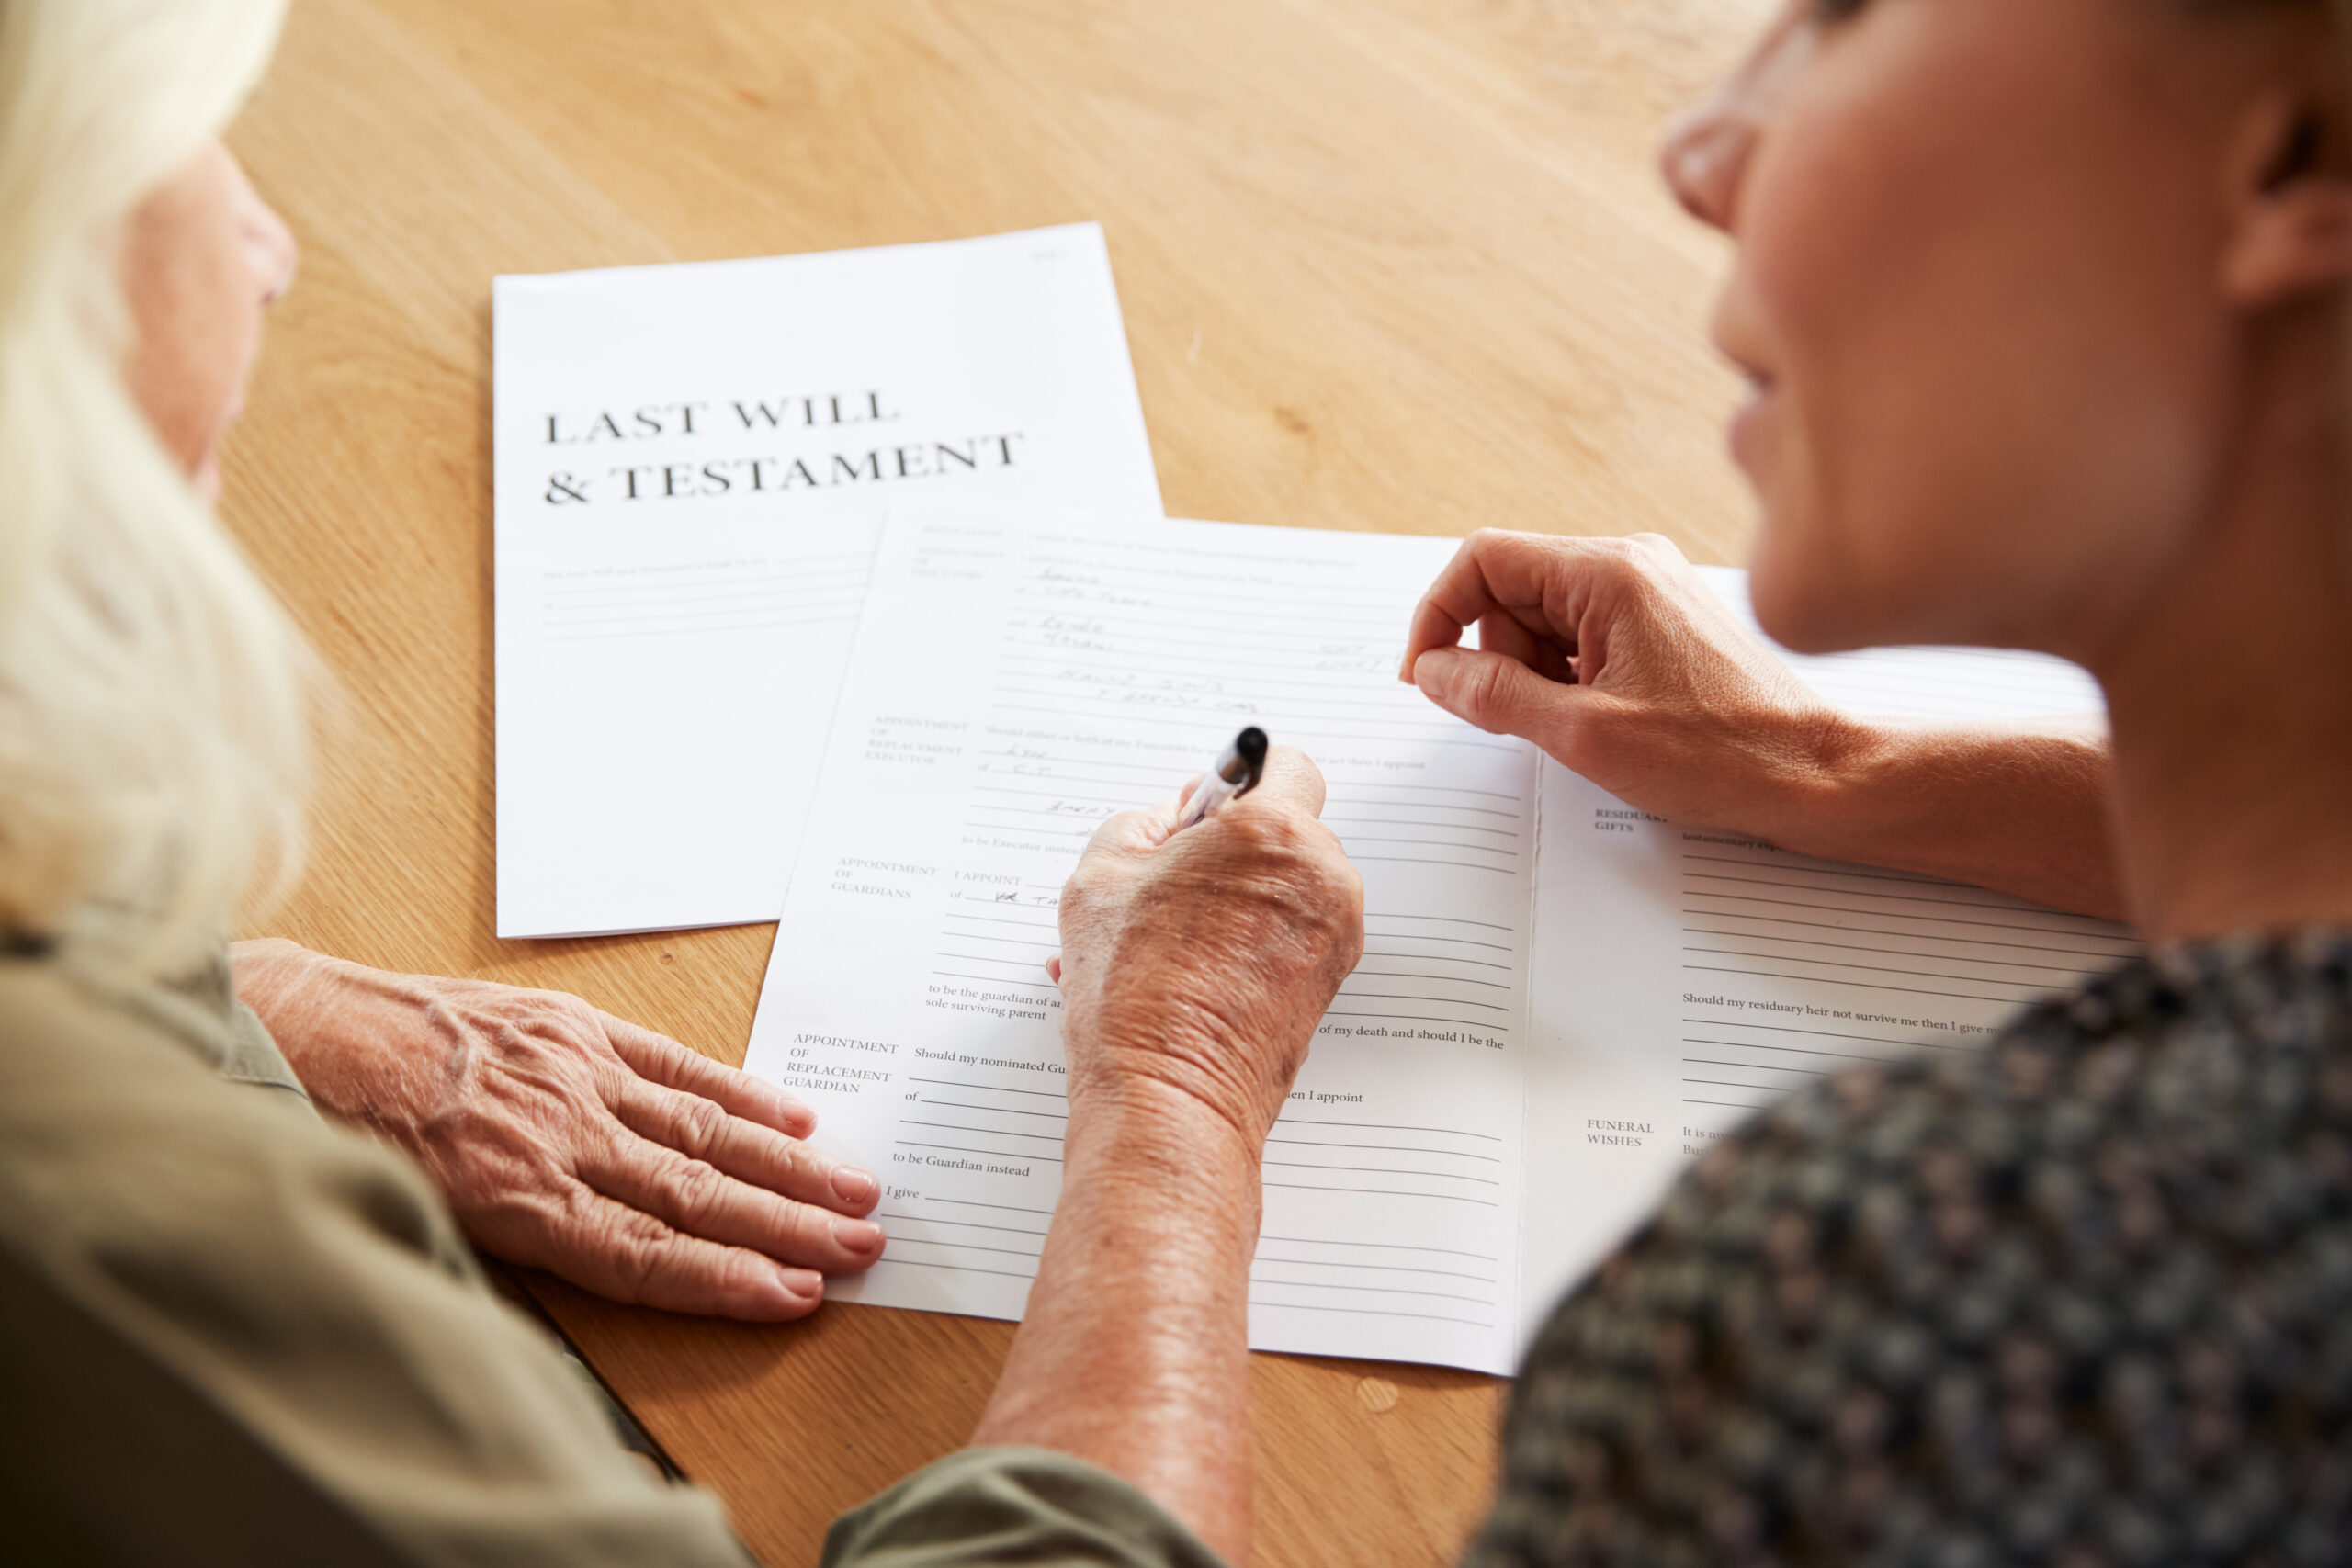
1705	156
274	255
270	249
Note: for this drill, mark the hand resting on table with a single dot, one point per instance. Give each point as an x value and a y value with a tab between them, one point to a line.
570	1140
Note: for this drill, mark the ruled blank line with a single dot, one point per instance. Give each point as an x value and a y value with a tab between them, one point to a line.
1364	1169
1352	839
1370	1312
1390	1148
965	1083
1446	919
1105	807
1759	1067
1801	1051
1386	1127
1787	887
984	1132
1829	926
1932	957
966	1224
1440	980
1045	795
1370	953
1449	940
996	1110
902	1239
1256	1279
1384	1245
1435	1001
1915	972
1349	802
1372	1191
1380	1268
1792	1028
955	1268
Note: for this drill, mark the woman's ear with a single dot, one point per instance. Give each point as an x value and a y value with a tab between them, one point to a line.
2290	231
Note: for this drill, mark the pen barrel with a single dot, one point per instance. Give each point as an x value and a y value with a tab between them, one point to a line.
1237	771
1214	791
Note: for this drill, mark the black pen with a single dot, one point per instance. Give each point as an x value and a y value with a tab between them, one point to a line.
1236	772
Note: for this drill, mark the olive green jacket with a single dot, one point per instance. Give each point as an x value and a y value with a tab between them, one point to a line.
231	1333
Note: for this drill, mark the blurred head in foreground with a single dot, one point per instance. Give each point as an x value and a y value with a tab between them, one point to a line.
150	691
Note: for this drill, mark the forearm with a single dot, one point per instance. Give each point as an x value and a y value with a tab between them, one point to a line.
274	977
1134	1352
2023	812
335	1023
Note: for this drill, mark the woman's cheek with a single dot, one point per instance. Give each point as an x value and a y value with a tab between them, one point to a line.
1782	437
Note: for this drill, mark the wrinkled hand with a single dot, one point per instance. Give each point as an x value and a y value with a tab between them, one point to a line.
1199	963
572	1141
1615	658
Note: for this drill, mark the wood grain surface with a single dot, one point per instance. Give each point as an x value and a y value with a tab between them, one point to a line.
1399	264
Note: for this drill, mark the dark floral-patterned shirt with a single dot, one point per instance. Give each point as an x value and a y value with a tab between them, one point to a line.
2085	1300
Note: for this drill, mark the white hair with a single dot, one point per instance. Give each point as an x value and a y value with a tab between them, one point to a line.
153	693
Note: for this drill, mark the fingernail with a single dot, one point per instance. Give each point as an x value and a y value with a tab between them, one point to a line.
801	1284
853	1185
1433	670
857	1235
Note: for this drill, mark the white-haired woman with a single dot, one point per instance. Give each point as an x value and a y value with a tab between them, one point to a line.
230	1330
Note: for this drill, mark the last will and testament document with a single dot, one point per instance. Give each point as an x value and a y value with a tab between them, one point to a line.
693	463
1560	998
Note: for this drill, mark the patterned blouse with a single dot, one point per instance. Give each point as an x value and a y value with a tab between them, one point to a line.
2085	1300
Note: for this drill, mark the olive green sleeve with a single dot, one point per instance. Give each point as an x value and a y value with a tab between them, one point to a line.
307	1287
1030	1507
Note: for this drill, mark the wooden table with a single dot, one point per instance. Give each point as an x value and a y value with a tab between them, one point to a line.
1386	264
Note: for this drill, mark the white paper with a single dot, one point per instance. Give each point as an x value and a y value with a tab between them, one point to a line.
675	604
1017	680
1019	676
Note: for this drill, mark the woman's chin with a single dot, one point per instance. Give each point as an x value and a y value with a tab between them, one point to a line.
1788	573
1800	600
